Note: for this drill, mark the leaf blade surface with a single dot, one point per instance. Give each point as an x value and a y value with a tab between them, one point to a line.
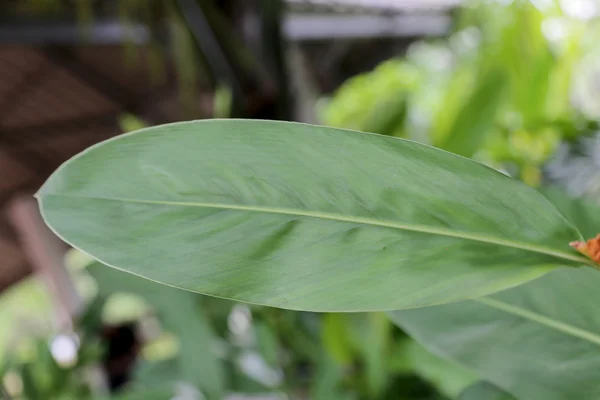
304	217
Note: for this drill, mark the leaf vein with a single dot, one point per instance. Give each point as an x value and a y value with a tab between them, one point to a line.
344	218
540	319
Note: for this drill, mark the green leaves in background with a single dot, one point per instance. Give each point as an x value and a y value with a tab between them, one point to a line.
446	376
477	116
304	217
365	337
540	341
197	363
484	391
28	298
376	101
388	118
151	393
497	89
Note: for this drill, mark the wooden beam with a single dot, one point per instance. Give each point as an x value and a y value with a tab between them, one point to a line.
107	87
69	32
12	100
74	125
45	252
21	272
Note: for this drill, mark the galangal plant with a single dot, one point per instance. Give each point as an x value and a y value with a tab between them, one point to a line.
322	219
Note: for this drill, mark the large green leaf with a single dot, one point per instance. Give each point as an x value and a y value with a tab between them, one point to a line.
304	217
540	341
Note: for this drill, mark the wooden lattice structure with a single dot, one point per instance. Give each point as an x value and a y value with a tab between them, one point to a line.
54	102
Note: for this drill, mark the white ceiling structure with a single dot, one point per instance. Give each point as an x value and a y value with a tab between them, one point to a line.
382	5
346	19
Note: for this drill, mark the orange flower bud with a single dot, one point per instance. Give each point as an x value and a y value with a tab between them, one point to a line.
591	248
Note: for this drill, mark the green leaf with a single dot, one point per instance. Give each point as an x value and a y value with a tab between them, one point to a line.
334	334
584	214
370	334
146	393
484	391
197	363
388	117
222	102
327	380
447	377
267	343
148	373
21	303
477	117
129	122
304	217
540	341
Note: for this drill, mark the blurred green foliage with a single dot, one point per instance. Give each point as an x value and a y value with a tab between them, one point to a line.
216	347
505	88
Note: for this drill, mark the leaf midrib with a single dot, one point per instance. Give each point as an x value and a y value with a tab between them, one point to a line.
540	319
342	218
